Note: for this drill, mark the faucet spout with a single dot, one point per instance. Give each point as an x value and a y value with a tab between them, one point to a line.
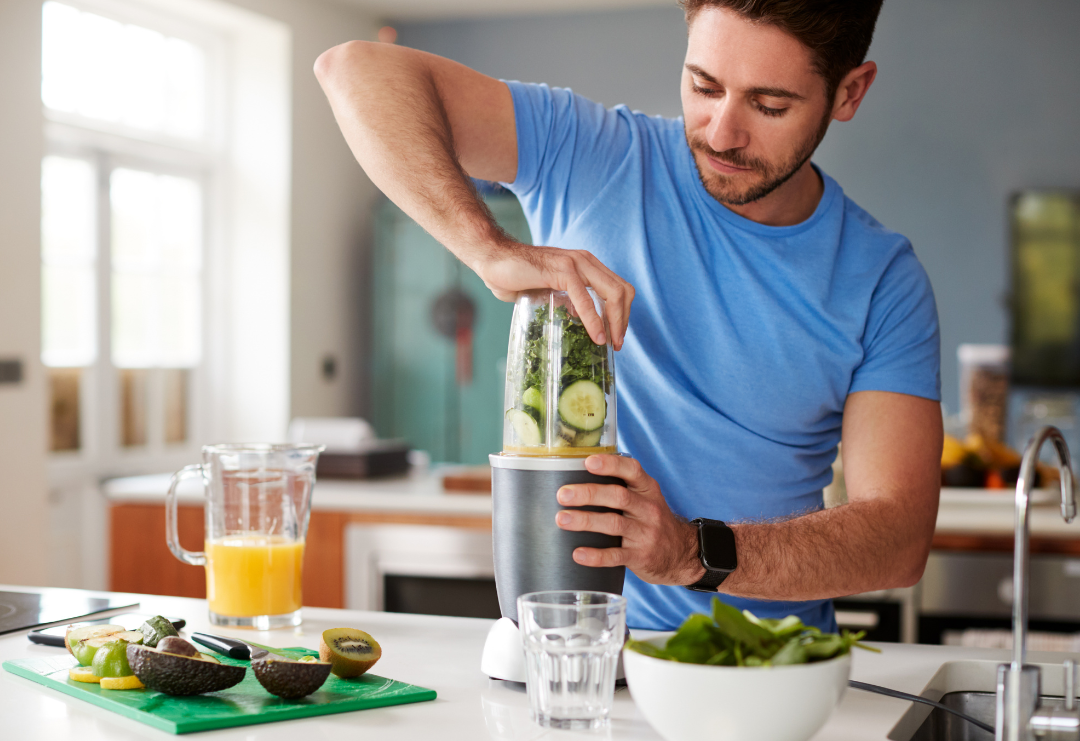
1020	717
1025	482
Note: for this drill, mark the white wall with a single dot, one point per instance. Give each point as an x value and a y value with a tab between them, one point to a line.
331	211
329	233
23	492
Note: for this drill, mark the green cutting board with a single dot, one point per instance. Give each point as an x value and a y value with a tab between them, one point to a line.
244	704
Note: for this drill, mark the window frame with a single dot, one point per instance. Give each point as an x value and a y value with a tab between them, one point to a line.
107	146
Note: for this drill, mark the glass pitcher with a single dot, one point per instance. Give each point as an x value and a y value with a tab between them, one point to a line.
560	385
257	505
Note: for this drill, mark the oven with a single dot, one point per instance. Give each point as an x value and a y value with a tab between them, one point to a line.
424	569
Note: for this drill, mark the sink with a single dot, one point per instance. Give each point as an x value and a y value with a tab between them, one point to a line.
942	726
967	686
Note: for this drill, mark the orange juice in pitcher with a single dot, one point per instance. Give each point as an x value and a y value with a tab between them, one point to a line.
252	574
258	502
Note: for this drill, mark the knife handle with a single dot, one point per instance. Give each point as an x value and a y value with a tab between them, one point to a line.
230	647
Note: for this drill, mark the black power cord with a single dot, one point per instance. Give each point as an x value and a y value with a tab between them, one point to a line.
916	698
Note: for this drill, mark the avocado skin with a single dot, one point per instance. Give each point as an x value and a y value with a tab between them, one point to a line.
180	675
290	679
156	628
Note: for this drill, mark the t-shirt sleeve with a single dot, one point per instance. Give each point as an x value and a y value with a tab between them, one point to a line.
569	147
902	345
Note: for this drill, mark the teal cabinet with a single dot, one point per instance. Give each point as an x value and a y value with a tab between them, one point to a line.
422	390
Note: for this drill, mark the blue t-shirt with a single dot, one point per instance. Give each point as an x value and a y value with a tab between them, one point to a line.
744	340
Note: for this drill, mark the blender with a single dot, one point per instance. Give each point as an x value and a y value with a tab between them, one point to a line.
559	409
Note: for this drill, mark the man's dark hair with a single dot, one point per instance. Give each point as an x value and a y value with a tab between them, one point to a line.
837	32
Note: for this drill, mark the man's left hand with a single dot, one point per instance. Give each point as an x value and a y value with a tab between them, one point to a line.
657	545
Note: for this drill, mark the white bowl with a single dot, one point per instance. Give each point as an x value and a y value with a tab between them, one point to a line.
692	702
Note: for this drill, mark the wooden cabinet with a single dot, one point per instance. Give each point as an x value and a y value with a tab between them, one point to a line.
140	561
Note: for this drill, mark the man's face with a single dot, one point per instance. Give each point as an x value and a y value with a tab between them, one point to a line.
753	106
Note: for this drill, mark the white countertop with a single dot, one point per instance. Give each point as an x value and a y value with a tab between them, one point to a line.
417	493
991	511
443	654
983	511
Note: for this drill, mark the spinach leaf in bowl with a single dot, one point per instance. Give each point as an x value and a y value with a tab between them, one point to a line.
733	638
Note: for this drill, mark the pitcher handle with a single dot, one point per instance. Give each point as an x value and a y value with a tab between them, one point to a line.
172	533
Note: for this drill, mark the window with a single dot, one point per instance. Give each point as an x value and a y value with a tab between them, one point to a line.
124	192
165	232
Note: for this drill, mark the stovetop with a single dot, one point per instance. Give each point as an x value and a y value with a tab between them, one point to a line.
22	610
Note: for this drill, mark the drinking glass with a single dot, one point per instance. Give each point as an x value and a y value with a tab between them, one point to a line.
257	504
572	643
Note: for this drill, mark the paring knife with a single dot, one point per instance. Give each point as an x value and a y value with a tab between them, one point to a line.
234	648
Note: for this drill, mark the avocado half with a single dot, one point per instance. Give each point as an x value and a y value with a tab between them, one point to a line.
290	679
181	675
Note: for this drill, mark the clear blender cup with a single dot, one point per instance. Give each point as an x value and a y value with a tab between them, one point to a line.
560	385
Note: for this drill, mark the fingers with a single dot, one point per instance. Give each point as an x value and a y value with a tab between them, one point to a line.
616	292
622	467
586	309
595	495
523	267
607	523
601	556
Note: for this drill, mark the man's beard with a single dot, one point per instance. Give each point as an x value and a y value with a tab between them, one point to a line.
772	176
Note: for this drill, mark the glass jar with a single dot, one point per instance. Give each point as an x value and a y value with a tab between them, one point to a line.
560	385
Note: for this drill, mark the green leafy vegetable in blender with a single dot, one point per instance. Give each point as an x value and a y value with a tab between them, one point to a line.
582	359
733	638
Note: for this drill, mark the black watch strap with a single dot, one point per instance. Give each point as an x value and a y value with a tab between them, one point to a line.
709	582
716	549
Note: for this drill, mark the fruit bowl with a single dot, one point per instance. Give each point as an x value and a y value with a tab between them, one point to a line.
690	702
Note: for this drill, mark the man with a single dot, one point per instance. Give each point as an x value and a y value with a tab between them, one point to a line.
774	316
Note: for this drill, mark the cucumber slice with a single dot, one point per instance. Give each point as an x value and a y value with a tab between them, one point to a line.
533	398
526	430
582	406
588	439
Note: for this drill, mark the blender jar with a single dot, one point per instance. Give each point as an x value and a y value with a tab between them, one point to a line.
560	385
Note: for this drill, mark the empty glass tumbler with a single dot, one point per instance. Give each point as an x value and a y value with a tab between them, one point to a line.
572	643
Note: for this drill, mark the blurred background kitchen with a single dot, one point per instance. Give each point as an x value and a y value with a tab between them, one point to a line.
189	254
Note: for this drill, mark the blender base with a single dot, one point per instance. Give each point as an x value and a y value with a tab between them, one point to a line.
504	656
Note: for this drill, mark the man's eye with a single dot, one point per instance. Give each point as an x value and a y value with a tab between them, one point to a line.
704	90
771	111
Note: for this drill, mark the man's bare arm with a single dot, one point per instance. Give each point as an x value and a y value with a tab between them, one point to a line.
879	540
420	125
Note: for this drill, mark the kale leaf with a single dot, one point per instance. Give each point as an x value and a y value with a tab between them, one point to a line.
581	357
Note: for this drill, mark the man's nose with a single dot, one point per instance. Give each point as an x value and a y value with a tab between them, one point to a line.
727	129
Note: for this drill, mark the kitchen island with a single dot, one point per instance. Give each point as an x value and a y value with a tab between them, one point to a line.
443	654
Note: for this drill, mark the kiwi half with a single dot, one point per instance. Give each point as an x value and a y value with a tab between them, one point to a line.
351	652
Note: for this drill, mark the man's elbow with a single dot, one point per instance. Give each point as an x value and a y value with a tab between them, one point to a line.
910	569
335	60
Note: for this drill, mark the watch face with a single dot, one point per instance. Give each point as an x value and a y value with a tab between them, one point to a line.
718	547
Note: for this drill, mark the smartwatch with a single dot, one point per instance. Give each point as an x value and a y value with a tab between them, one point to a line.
716	549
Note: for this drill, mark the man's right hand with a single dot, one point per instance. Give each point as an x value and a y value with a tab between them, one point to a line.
420	125
514	267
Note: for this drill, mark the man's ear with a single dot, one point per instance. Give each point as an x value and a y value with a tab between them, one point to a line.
852	90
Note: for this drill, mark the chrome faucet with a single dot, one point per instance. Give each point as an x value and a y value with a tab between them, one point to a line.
1020	717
